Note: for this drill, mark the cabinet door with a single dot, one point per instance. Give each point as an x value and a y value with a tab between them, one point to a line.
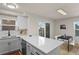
28	49
14	45
3	46
32	50
37	52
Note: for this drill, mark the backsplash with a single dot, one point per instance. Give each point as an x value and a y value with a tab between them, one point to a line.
5	33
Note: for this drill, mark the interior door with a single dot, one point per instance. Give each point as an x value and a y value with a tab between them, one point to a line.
47	30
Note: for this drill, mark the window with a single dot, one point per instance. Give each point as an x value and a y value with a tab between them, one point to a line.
76	27
44	29
8	24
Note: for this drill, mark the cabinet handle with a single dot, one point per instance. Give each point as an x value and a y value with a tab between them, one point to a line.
9	43
37	53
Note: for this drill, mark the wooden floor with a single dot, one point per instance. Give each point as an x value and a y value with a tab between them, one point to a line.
17	52
73	50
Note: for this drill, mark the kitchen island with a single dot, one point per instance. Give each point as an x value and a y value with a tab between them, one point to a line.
42	46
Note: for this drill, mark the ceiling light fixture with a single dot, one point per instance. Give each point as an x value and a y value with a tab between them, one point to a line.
11	5
61	11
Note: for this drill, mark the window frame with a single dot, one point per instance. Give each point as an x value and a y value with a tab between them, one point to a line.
75	28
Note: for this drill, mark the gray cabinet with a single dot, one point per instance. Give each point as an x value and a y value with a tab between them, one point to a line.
9	45
3	46
14	45
23	44
31	50
28	49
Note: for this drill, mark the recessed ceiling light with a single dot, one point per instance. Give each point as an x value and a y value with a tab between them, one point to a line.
61	11
11	5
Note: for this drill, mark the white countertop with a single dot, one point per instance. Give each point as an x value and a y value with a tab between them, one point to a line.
44	44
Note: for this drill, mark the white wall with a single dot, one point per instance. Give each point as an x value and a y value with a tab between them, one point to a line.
34	25
31	23
69	27
22	22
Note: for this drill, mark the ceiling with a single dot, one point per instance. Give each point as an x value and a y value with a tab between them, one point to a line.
46	9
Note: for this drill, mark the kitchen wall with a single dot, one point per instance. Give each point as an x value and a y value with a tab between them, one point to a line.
34	25
22	22
30	21
69	22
